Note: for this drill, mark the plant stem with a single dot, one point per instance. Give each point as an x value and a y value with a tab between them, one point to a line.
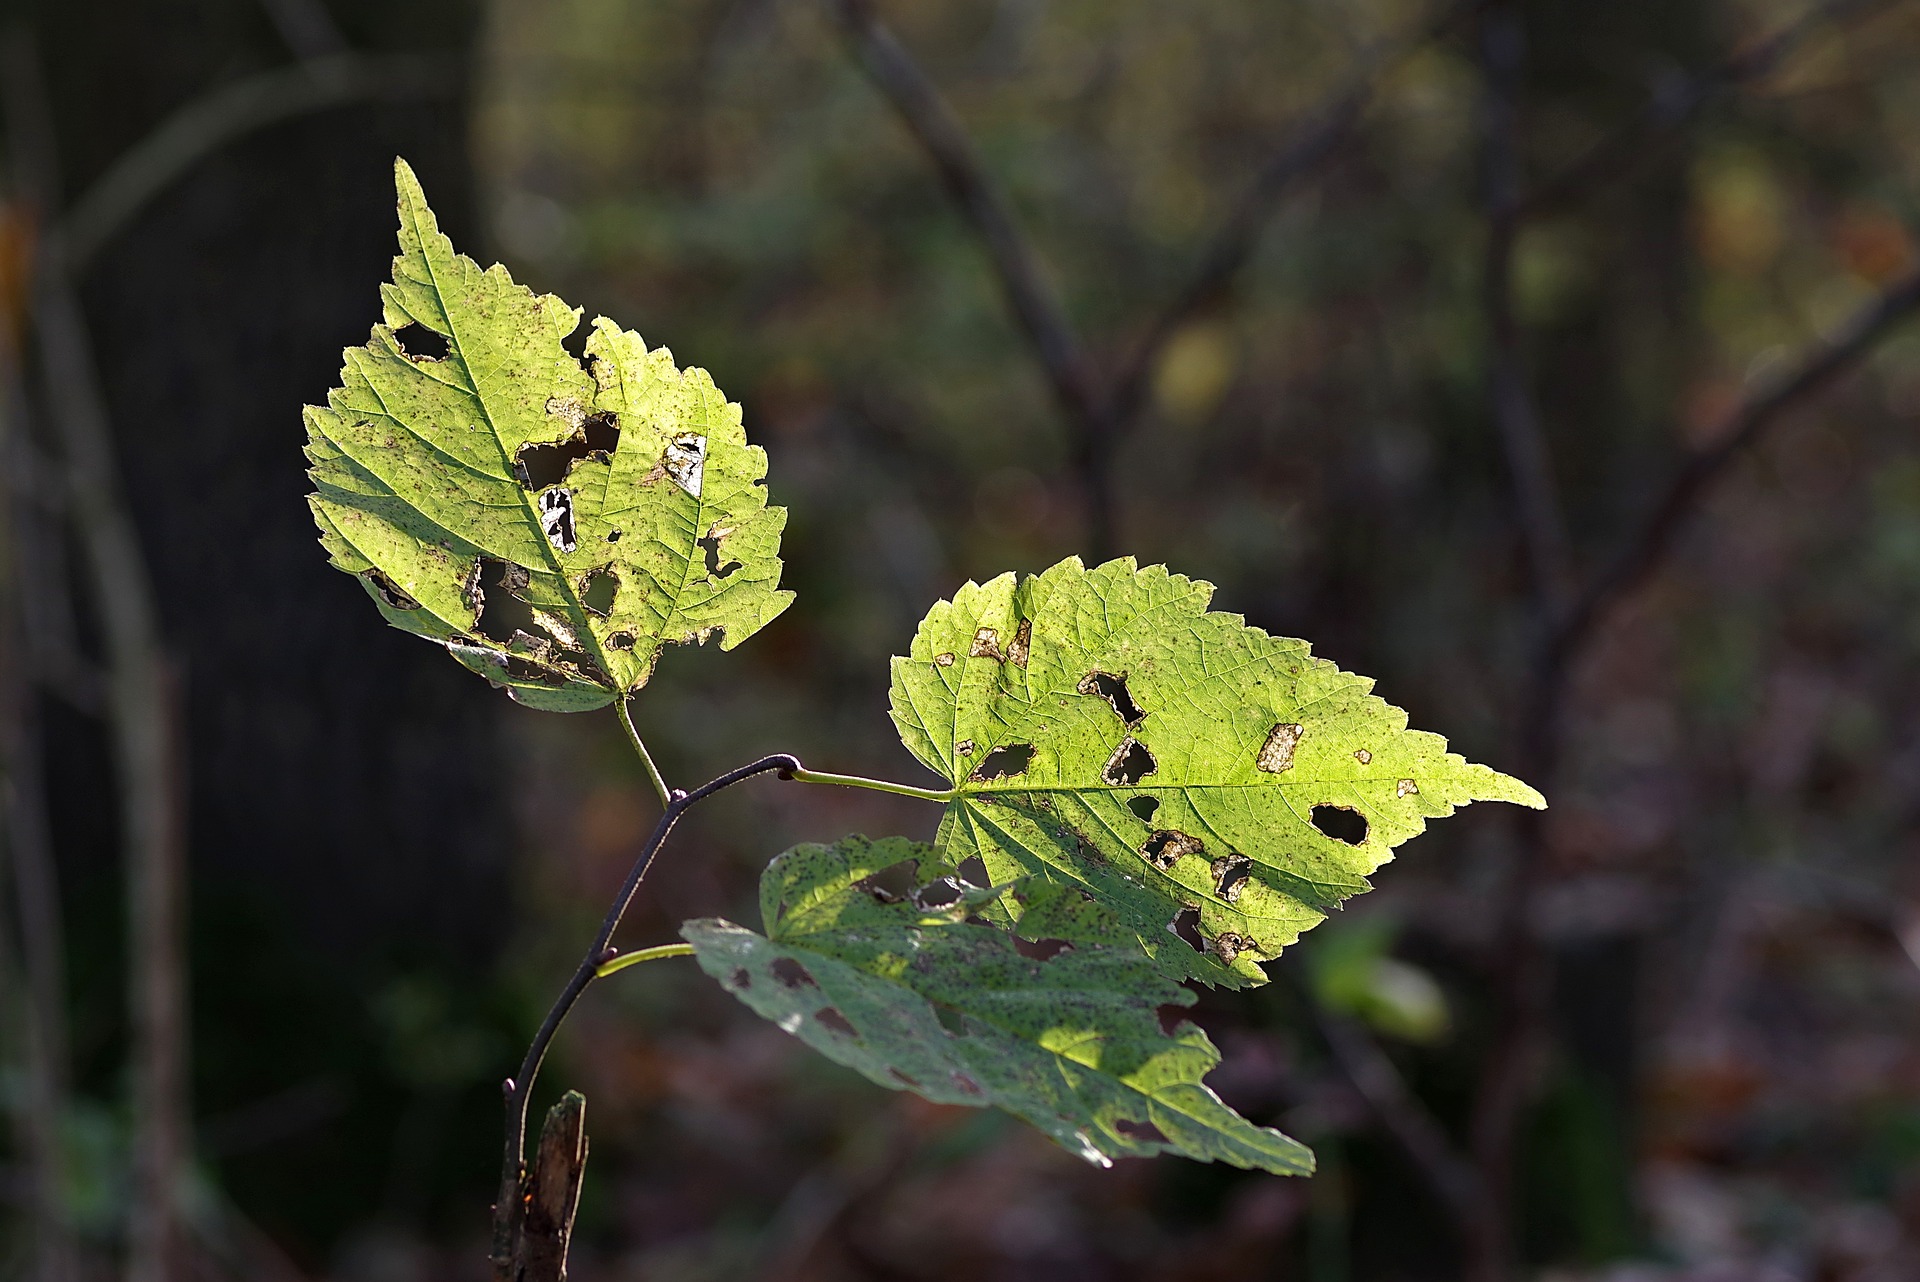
655	953
519	1088
646	758
878	785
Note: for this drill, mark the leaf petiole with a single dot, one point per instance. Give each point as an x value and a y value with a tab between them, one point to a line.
646	758
655	953
877	785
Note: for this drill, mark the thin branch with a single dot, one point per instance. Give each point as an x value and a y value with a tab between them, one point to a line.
1307	146
1651	542
224	116
1452	1181
143	714
1036	306
1522	438
1676	102
508	1207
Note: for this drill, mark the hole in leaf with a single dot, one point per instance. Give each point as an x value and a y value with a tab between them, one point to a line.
791	973
973	871
950	1019
501	612
1186	924
684	462
526	670
1040	949
613	536
1166	847
836	1022
1276	754
1145	1132
539	466
740	980
710	544
1004	763
390	591
938	894
1342	823
556	518
891	884
620	641
1129	764
1230	873
597	591
421	343
1114	690
1143	806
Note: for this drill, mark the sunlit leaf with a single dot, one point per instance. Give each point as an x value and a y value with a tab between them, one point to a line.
1220	789
885	973
552	525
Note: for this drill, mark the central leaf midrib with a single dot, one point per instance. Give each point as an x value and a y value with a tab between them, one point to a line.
578	611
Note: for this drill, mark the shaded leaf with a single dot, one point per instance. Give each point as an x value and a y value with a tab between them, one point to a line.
552	526
1220	789
903	986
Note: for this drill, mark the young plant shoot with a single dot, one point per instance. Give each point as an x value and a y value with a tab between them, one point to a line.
1137	791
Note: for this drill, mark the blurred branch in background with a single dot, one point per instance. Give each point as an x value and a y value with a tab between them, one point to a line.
1099	409
143	707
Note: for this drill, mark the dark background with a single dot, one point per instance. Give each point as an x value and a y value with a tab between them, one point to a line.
1507	276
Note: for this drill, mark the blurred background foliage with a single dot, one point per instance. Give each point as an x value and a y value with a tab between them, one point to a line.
392	868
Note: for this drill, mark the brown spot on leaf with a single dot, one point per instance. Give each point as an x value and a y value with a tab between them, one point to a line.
836	1022
791	973
910	1083
986	645
1362	756
943	659
964	748
740	980
967	1085
1019	647
1227	946
1276	754
1405	788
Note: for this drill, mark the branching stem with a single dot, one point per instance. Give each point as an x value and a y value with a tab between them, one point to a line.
655	953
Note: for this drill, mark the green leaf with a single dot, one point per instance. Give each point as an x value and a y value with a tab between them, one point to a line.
552	526
1104	730
885	973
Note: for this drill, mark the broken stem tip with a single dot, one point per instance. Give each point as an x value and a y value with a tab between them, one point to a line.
620	963
804	775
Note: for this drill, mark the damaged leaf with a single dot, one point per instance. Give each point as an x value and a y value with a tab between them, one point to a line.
1063	1030
1172	760
618	504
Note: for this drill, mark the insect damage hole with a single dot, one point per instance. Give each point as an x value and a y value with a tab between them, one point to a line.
500	612
1342	823
1230	873
420	344
1143	807
1167	847
1041	949
1143	1132
791	973
709	543
390	592
1276	754
540	465
1113	689
1005	762
1129	764
1186	926
597	591
556	518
